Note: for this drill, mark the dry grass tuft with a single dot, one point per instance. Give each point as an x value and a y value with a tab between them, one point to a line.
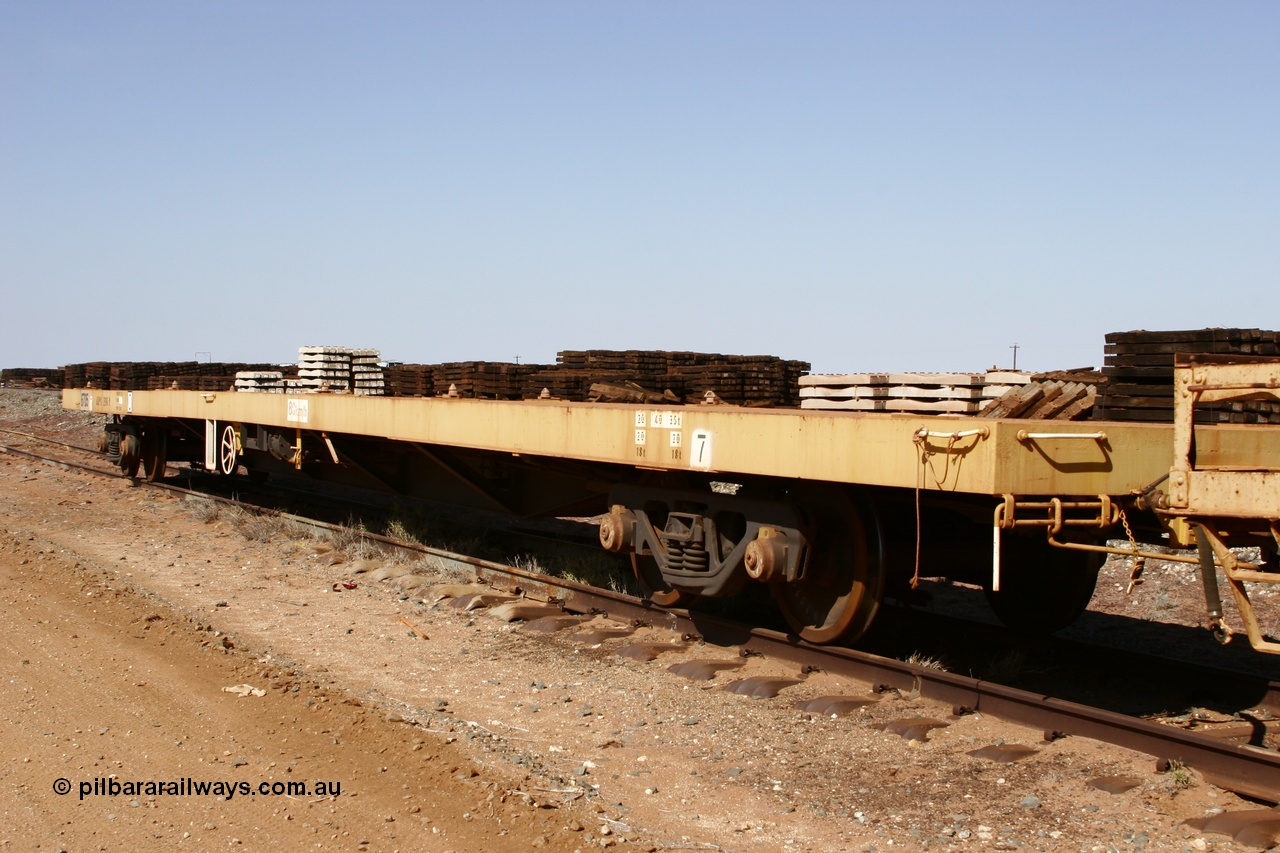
203	510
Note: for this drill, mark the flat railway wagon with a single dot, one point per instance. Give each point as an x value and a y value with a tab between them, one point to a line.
830	509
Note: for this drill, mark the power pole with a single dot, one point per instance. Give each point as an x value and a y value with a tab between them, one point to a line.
1015	356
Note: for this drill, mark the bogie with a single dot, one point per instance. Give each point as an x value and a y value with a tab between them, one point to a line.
817	546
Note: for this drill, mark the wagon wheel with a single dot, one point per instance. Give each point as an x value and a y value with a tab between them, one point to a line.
155	454
653	586
844	579
1043	589
130	454
228	458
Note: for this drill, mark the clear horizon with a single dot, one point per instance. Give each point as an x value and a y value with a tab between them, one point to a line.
867	187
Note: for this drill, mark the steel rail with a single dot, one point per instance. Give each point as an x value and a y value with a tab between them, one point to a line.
92	450
8	448
1247	770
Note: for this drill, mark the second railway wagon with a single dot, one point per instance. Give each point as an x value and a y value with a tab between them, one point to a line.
829	509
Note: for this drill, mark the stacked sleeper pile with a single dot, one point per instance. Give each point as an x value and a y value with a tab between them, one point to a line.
32	377
751	380
919	393
91	374
673	376
410	380
1064	396
322	369
1139	367
366	373
573	383
157	375
260	381
336	369
497	380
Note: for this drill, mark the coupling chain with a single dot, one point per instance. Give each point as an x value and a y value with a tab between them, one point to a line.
1139	564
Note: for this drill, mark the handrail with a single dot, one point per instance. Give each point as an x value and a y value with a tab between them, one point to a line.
964	433
1023	435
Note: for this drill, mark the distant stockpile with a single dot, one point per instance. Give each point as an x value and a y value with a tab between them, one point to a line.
486	379
612	375
747	380
577	375
32	377
994	394
339	369
1135	384
156	375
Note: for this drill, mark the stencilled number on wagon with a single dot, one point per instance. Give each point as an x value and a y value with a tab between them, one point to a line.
297	411
700	449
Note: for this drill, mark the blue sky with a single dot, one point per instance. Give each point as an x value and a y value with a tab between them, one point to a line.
866	186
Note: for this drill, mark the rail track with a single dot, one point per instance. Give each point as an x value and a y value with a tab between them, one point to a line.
1233	757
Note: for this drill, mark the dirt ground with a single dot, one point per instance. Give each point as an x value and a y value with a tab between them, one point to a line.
131	612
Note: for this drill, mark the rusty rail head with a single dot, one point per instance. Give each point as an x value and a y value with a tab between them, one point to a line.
1246	770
